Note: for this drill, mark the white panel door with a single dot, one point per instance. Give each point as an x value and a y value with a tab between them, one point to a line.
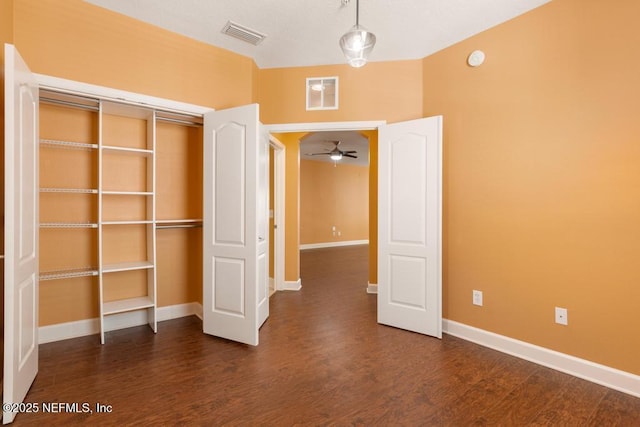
230	229
21	231
263	227
410	225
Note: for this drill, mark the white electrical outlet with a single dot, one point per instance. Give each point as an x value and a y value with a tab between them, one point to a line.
562	317
477	297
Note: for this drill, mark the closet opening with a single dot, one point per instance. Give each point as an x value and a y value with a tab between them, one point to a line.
121	185
179	180
120	211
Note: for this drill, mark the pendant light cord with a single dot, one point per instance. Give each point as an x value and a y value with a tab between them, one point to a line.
357	12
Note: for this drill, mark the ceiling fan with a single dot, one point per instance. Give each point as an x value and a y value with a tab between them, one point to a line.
336	153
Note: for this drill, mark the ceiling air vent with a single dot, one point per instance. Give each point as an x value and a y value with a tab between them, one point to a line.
243	33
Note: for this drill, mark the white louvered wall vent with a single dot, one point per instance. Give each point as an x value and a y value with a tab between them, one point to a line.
243	33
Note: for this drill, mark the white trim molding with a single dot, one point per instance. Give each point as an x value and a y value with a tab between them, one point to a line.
291	286
279	177
197	308
179	310
324	126
333	244
372	288
81	328
600	374
86	89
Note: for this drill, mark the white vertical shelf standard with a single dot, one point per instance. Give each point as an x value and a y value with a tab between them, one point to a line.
146	302
100	230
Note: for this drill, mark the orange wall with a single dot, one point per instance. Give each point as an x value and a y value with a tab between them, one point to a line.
542	181
6	36
389	91
6	26
75	40
333	196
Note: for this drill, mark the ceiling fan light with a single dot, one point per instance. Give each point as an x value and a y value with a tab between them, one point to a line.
336	156
357	44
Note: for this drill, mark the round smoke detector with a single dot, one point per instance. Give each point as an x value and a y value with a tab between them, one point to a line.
476	58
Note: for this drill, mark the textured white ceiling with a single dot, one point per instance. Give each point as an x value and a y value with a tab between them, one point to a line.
306	32
320	142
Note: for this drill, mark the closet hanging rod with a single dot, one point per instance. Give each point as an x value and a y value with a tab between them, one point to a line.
178	121
83	101
69	104
179	226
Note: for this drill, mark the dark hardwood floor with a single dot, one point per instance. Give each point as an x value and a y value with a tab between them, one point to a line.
322	360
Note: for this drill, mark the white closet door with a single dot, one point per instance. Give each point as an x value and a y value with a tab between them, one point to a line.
410	225
231	237
21	231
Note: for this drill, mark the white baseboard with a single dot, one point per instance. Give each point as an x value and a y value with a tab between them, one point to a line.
291	286
179	310
372	288
81	328
63	331
333	244
581	368
197	310
272	286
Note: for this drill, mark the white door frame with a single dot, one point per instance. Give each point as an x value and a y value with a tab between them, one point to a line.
279	151
117	95
325	126
314	127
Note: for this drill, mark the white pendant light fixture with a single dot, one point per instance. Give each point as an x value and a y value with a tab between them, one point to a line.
357	43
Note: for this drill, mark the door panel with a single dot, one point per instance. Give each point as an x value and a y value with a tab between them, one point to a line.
21	231
410	226
408	155
229	299
230	158
230	228
410	272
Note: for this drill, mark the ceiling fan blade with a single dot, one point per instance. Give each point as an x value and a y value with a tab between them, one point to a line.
349	152
349	155
319	154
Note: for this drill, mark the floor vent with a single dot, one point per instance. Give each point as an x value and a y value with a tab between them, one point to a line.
243	33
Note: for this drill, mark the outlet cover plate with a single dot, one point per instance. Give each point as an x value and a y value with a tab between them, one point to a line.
562	316
477	297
